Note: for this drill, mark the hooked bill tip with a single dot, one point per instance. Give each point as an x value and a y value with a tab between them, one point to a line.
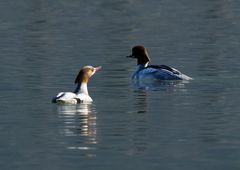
98	68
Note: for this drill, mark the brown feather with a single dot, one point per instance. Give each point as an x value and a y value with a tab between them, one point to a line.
79	77
84	75
140	52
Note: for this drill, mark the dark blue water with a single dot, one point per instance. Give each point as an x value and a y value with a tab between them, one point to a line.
184	125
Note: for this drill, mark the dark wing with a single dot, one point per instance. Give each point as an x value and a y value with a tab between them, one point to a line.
163	67
160	67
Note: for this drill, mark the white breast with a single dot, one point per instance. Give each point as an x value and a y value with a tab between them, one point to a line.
72	98
84	97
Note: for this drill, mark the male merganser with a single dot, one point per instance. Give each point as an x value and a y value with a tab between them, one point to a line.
158	72
81	92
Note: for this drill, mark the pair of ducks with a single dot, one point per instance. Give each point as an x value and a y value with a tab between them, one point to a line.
143	70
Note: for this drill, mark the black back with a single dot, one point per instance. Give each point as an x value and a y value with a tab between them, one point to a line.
163	67
160	67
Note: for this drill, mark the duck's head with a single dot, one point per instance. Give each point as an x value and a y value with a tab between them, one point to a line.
85	73
140	53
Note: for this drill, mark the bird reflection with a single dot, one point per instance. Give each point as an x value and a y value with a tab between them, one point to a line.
79	125
141	101
159	85
138	126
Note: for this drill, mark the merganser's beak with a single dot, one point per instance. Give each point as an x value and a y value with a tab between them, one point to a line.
98	68
131	56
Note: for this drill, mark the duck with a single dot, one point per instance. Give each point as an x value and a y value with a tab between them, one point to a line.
156	72
80	94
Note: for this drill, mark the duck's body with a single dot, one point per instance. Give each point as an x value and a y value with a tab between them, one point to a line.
80	94
73	97
158	72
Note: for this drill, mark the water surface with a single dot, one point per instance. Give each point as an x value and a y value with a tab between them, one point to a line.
181	125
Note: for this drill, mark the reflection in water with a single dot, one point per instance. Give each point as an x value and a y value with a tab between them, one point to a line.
79	124
141	101
148	84
138	126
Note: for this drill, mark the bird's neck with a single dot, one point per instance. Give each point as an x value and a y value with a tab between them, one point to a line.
143	60
142	65
81	88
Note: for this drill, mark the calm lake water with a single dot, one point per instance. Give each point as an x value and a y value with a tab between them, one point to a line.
178	125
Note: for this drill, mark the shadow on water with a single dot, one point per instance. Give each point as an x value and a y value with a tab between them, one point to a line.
78	126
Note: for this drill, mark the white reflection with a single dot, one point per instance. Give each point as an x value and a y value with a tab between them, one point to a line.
79	125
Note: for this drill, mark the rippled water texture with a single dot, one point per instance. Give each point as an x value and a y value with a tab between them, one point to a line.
170	125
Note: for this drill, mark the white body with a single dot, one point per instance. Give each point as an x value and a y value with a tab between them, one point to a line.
73	98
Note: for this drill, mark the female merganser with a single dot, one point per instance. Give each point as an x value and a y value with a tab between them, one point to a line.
158	72
81	92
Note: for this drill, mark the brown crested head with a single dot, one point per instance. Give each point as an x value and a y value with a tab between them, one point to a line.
85	73
140	53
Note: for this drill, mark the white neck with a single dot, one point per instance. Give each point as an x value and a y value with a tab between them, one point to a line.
82	89
146	64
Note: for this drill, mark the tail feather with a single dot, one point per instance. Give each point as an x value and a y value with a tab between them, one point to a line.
54	100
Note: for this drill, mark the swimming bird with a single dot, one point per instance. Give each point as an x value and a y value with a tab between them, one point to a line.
80	94
158	72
